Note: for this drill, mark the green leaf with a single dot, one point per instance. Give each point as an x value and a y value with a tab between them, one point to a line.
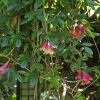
12	6
90	3
40	17
19	78
11	73
24	64
13	38
5	2
61	22
54	82
21	72
87	44
4	19
36	33
26	2
29	15
25	47
18	43
74	67
97	94
88	50
69	97
80	98
4	42
23	57
23	21
38	3
6	51
37	66
91	34
77	94
97	11
32	82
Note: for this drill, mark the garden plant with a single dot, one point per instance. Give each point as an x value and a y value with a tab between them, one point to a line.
49	43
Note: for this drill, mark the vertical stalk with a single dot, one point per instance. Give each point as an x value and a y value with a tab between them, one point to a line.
35	92
45	17
18	90
96	47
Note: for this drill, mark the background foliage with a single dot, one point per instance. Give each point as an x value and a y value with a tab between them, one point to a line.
25	24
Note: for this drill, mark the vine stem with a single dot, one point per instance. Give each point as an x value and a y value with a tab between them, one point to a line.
35	92
96	47
67	86
44	60
45	16
10	52
2	55
78	82
92	82
99	58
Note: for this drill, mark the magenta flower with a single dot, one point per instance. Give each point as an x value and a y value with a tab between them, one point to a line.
84	77
76	30
47	47
4	67
80	28
74	33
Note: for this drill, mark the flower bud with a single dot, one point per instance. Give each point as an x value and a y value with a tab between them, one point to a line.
4	67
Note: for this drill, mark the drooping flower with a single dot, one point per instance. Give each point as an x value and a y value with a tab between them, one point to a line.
76	30
46	47
83	76
74	33
4	67
80	28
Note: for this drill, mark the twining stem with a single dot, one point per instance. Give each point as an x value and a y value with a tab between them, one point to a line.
51	60
78	82
35	92
10	52
67	86
96	47
44	78
2	55
45	17
92	82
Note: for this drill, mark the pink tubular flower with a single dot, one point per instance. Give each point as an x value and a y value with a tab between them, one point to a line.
81	27
76	30
83	76
47	47
74	33
4	67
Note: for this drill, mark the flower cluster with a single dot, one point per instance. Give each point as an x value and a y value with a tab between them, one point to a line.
83	76
76	30
47	48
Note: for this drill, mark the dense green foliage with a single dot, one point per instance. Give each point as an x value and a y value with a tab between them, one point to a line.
25	24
